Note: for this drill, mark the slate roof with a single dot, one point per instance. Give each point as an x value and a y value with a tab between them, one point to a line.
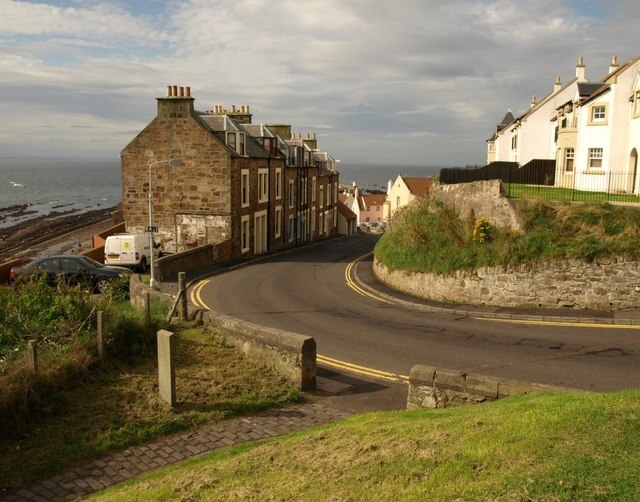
218	125
345	211
418	186
374	199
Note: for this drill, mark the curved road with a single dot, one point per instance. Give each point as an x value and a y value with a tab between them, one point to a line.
306	291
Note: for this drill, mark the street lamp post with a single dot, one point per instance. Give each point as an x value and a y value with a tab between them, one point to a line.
152	281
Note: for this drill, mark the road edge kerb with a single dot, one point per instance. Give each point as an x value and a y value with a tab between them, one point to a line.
468	312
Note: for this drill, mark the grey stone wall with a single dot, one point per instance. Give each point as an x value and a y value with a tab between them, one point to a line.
168	267
608	284
290	354
485	199
431	387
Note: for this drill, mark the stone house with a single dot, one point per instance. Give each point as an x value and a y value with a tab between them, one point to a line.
404	190
244	187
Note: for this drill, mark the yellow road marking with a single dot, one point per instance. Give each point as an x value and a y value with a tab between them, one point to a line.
196	297
363	370
559	323
354	286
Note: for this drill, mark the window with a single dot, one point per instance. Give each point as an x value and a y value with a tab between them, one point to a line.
303	190
244	189
236	141
335	192
636	105
598	114
569	156
292	194
335	218
314	188
397	201
514	142
321	197
313	220
279	183
328	194
263	185
595	158
245	234
292	227
278	221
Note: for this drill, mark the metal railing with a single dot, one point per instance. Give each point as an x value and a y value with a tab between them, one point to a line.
541	179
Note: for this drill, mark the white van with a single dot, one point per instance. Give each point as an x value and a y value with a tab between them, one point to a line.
128	250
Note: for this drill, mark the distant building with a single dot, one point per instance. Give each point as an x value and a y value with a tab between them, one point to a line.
404	190
247	188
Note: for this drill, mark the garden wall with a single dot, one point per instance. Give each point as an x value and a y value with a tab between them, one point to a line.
608	284
485	199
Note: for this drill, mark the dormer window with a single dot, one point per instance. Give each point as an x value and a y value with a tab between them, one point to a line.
236	141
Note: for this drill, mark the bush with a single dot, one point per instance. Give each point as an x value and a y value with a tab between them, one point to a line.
426	236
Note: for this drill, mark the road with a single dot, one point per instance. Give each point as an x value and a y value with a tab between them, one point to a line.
306	291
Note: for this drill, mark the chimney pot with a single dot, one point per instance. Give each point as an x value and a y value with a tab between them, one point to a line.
248	111
168	91
181	91
233	108
174	90
580	61
187	91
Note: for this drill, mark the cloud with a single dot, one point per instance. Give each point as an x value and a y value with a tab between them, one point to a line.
432	77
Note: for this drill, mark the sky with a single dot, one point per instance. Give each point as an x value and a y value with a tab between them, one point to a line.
409	82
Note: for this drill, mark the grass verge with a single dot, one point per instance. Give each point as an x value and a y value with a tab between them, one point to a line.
118	406
540	447
429	237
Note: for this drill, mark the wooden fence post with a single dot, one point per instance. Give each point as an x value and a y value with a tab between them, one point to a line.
147	309
182	286
33	356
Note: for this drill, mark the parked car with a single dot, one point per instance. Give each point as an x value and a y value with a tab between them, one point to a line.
74	269
129	250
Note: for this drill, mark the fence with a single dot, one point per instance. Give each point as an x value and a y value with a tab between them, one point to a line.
541	179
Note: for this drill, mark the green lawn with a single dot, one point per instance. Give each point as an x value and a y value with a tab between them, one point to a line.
520	191
540	447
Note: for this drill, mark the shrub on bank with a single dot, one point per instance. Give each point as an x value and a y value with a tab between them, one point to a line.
429	237
62	322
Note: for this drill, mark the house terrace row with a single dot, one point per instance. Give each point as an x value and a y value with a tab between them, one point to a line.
217	178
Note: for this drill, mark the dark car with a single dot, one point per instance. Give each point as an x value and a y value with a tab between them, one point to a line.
74	270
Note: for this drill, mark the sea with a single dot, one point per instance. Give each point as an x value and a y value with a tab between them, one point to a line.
75	186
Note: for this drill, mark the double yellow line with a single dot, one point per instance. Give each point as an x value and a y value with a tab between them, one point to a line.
352	284
195	295
363	370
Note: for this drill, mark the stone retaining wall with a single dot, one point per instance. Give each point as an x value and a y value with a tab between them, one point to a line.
608	284
290	354
431	387
168	267
137	290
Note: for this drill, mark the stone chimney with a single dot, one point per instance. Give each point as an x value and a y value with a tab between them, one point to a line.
580	70
310	141
178	103
534	101
614	65
242	114
282	130
558	85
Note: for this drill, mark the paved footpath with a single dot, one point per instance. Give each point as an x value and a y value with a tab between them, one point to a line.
113	469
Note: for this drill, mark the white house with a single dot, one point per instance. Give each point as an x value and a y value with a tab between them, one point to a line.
404	190
591	129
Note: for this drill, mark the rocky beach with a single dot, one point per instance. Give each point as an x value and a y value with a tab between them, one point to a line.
59	232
